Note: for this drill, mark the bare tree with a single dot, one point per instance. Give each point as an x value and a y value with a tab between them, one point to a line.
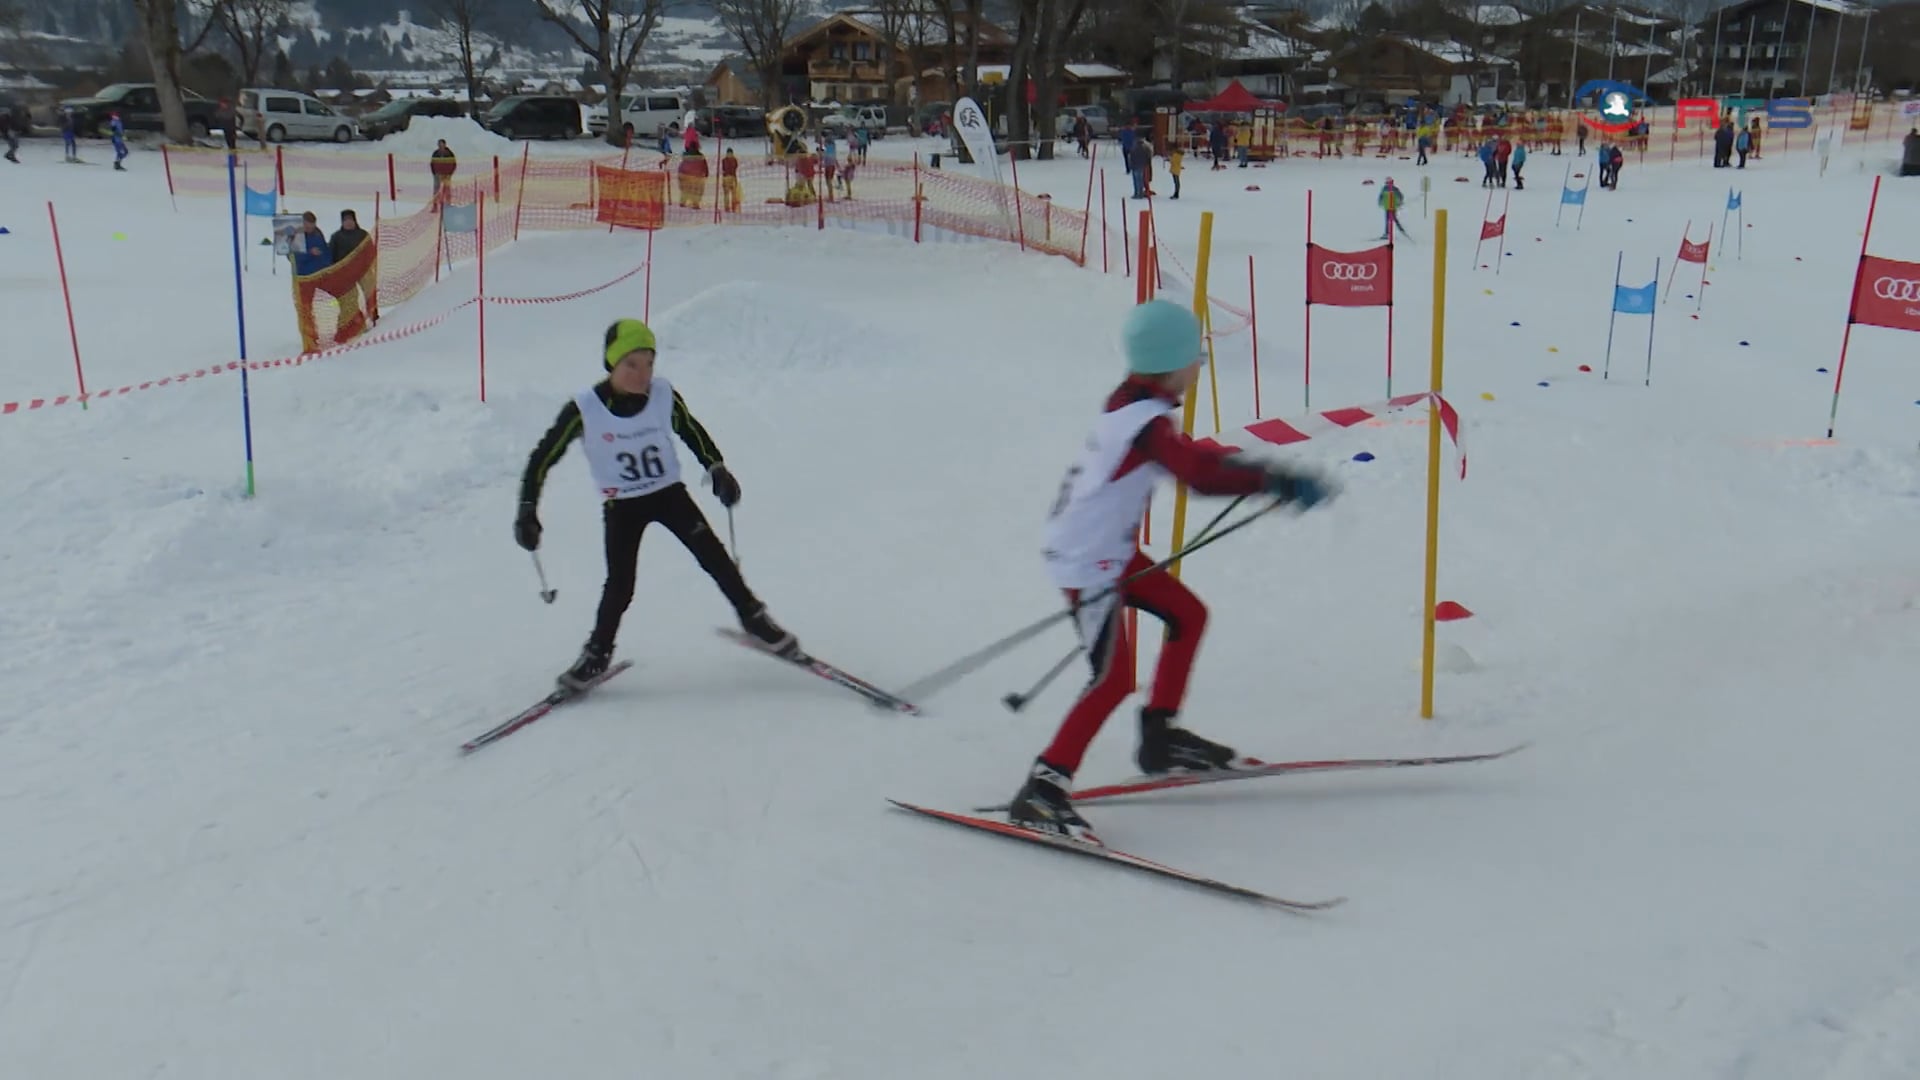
762	28
1044	27
160	25
15	47
467	23
251	27
611	33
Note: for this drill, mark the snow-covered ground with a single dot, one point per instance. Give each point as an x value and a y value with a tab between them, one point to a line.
238	841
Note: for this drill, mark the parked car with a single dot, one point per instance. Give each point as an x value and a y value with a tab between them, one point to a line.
395	115
139	107
534	116
597	115
281	115
873	117
733	121
1096	115
652	113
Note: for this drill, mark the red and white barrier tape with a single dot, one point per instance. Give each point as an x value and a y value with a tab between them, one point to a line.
384	337
1314	425
564	297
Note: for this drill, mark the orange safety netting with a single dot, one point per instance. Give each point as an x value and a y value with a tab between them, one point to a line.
339	303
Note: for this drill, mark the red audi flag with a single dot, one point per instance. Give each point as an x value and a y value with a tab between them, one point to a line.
1886	293
1350	278
1491	229
1692	252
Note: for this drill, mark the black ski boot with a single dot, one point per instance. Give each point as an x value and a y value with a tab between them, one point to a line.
1044	805
771	636
591	665
1167	748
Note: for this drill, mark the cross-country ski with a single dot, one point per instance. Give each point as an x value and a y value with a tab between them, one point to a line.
560	696
836	675
1255	769
1096	850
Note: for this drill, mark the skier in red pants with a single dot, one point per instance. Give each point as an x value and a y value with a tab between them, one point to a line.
1091	551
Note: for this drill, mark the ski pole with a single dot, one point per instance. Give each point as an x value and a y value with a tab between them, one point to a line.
1016	702
545	593
974	661
732	544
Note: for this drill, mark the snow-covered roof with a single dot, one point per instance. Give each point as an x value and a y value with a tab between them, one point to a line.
21	81
1496	15
1078	71
1453	52
1263	42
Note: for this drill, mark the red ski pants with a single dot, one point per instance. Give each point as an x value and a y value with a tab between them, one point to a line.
1103	630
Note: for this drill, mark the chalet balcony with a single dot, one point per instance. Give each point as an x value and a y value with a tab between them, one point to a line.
846	70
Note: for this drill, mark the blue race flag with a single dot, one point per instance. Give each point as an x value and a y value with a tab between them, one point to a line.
1631	301
460	217
1733	199
259	203
1573	196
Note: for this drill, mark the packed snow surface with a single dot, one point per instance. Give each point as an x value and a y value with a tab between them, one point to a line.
239	842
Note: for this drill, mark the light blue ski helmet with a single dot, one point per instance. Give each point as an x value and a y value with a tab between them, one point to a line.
1160	337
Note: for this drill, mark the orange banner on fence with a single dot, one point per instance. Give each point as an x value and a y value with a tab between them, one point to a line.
631	198
337	304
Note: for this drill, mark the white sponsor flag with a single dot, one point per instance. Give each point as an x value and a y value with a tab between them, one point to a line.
979	139
974	132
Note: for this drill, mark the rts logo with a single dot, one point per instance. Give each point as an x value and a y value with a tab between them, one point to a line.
1615	102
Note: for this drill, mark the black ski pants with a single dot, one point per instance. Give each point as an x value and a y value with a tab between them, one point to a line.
626	521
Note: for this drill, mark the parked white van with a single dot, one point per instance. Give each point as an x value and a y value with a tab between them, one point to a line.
280	115
652	112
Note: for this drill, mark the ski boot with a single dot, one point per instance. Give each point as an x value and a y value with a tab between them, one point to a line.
591	665
1166	748
771	636
1044	805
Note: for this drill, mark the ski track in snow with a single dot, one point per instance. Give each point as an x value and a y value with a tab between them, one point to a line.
239	842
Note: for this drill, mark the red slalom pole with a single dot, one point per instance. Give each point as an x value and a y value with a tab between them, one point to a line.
73	331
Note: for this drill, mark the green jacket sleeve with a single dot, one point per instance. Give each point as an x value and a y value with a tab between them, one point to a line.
565	429
693	434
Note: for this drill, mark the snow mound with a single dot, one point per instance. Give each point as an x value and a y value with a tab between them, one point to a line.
765	327
464	136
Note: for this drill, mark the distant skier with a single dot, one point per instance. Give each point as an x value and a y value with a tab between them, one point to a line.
625	424
68	137
6	132
1390	201
1519	162
1090	549
119	131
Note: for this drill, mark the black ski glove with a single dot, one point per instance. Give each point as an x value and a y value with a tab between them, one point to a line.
725	487
526	527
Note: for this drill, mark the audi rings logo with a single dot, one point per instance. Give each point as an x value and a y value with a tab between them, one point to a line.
1339	271
1901	289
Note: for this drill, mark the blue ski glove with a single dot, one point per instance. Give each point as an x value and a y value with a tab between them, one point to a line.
1303	489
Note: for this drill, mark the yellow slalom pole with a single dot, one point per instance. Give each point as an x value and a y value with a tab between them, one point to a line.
1186	417
1433	462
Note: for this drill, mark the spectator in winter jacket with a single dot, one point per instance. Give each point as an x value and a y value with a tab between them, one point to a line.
349	236
1487	162
1519	161
1126	139
1140	162
6	132
67	135
443	166
344	241
1910	153
1743	145
1502	154
310	251
730	181
1723	144
1173	168
693	177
